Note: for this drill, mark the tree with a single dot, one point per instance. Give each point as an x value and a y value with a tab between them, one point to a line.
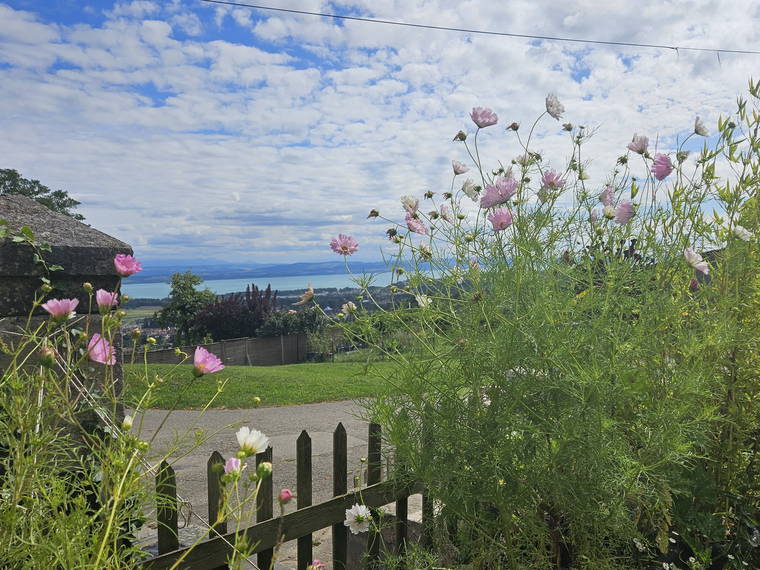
59	201
184	304
237	315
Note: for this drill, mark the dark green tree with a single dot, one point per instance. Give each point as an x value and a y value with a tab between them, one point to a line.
237	315
11	182
185	301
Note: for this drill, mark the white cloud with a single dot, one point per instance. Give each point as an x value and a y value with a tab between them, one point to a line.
134	9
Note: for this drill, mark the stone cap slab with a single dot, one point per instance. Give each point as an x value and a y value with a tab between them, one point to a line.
85	254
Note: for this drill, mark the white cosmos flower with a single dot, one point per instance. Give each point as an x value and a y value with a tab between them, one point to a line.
251	441
410	204
696	261
358	519
700	128
458	167
553	106
742	233
470	190
423	301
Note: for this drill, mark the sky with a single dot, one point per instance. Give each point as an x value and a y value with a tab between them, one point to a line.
193	130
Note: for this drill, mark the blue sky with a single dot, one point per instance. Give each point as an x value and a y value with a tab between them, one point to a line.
191	129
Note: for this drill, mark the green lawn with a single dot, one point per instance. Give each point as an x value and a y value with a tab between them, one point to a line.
140	313
275	385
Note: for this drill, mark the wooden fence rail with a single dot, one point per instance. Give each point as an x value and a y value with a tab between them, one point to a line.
268	531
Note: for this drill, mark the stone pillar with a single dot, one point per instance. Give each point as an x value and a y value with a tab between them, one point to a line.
85	254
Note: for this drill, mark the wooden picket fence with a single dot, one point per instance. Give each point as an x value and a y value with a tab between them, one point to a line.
299	525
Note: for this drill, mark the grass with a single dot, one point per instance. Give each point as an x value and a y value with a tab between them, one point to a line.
140	313
275	385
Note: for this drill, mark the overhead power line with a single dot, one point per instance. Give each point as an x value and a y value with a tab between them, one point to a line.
481	32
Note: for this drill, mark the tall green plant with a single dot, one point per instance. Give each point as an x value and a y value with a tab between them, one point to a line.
583	389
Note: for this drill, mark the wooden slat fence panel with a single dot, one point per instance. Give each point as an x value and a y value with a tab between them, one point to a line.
264	506
166	512
340	487
303	494
299	523
374	475
214	472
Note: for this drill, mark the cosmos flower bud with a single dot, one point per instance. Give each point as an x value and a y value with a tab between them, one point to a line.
233	465
47	356
429	194
284	496
461	136
87	286
126	423
514	127
264	469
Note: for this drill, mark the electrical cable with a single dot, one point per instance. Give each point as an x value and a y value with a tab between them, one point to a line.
481	32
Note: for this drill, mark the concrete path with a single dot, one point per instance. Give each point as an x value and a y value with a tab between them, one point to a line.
215	429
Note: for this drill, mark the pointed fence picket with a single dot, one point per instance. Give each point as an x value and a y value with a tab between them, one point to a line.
268	531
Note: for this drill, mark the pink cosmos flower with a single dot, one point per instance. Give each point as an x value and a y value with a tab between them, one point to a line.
205	362
638	144
552	180
458	167
446	213
232	465
623	212
500	191
100	350
126	265
284	496
661	167
106	300
483	117
61	309
607	196
500	219
316	565
344	245
415	225
594	217
696	261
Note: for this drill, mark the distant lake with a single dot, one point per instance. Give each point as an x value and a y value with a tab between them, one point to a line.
221	286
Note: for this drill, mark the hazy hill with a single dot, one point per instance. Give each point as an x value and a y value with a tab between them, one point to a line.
158	273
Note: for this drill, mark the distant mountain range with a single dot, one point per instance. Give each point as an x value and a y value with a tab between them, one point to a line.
161	272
